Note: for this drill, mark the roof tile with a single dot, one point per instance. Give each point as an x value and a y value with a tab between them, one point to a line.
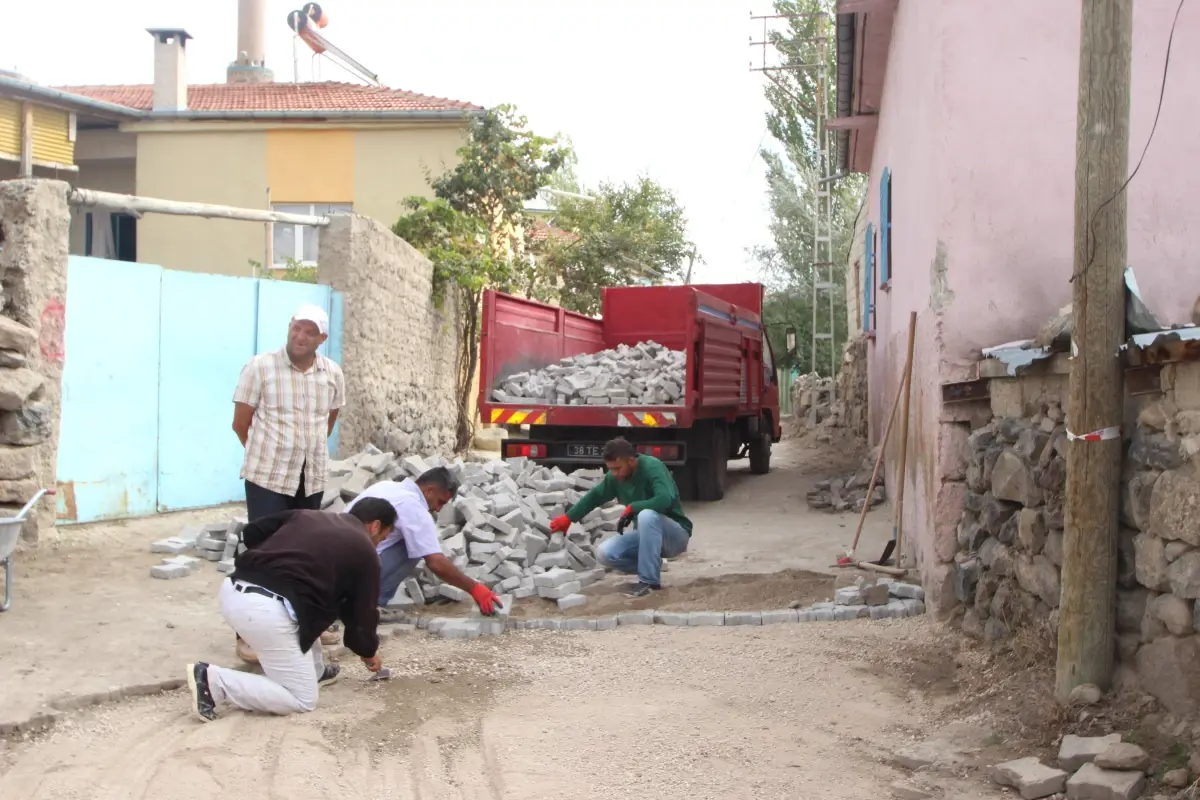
324	96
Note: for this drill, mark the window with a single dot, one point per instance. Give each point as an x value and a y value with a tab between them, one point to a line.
885	229
299	242
869	280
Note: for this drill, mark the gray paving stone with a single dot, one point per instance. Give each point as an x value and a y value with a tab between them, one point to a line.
461	629
635	618
670	618
578	624
453	593
780	615
173	546
1030	777
1093	783
1075	751
908	591
706	618
169	572
743	617
560	591
606	623
571	601
555	577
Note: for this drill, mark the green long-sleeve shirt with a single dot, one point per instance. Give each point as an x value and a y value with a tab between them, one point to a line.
649	487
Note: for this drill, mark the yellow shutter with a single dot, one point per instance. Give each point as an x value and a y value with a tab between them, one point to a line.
10	129
51	138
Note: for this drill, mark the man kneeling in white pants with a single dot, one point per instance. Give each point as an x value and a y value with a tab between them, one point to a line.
301	571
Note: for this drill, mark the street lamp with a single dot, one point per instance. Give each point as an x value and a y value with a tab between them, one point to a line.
791	339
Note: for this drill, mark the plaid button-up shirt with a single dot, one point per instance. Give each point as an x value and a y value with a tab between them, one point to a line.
290	429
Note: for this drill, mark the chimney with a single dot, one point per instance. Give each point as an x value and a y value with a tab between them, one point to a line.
170	68
250	65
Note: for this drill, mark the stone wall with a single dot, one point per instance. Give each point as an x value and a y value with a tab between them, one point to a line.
34	222
399	350
1010	538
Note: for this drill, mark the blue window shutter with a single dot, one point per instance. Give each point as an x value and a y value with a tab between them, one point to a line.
885	226
869	278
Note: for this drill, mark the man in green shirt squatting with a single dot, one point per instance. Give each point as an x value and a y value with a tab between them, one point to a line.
660	530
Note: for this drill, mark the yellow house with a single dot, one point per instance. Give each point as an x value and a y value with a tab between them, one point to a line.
308	148
40	127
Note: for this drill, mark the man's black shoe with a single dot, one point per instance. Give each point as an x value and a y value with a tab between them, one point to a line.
639	589
202	699
330	675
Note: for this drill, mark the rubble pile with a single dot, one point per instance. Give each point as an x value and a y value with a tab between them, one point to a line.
849	492
644	374
812	399
1088	766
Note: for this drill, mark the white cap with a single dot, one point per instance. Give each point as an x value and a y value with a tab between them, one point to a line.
314	314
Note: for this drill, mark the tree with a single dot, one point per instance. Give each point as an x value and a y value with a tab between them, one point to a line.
502	166
631	233
793	180
470	231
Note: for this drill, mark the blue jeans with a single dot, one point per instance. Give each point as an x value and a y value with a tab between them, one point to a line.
395	567
642	549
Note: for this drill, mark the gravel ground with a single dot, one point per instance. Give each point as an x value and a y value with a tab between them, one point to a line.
786	711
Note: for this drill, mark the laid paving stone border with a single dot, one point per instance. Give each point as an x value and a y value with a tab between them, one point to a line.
903	600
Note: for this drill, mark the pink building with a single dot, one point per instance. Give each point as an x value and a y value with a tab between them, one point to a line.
963	114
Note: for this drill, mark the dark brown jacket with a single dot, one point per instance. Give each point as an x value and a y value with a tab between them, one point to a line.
325	565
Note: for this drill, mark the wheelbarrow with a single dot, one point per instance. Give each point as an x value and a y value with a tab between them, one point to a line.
10	532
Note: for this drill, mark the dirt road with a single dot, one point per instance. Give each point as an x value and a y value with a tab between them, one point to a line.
777	712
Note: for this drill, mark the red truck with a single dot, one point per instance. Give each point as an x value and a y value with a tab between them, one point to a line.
730	404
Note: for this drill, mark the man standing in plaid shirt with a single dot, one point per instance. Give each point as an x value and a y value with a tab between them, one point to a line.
284	409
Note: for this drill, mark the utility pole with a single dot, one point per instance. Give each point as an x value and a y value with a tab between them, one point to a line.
1087	611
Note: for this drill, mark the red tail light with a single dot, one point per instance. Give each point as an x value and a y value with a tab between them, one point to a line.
522	450
665	452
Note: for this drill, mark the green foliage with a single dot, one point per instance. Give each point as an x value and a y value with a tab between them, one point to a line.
293	270
632	233
467	230
458	244
793	175
502	166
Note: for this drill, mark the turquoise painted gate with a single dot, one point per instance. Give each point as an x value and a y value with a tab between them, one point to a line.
152	359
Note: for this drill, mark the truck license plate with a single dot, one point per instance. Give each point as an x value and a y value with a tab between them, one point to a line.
584	450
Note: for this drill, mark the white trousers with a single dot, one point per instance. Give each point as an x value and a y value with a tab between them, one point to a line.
289	683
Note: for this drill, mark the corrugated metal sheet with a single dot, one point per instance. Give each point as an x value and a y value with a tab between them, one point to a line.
10	129
50	136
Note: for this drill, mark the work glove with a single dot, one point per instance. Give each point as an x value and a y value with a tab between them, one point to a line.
560	524
486	599
627	519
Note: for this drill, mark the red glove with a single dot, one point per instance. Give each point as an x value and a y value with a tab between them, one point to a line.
626	519
560	524
485	598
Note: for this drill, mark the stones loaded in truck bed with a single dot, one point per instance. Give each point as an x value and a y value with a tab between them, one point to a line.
645	374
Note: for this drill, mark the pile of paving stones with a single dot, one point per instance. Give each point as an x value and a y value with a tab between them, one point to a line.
217	541
1088	766
644	374
497	530
880	598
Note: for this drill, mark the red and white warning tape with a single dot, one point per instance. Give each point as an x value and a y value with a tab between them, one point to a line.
1104	434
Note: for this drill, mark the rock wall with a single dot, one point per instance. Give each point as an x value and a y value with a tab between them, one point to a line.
852	387
34	222
1010	538
399	350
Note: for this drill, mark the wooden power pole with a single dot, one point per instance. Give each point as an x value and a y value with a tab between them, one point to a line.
1087	612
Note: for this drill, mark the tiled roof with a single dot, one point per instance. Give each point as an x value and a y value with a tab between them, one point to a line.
325	96
542	231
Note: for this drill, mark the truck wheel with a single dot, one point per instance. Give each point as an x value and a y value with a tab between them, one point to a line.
760	454
685	481
711	472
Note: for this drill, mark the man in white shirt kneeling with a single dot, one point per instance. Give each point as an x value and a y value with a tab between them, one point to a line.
415	536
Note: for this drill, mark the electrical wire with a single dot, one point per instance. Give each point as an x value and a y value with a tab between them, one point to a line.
1162	92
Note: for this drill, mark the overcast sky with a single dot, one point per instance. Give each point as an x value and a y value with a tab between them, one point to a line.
655	86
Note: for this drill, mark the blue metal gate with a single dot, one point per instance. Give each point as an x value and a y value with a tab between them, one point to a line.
152	359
